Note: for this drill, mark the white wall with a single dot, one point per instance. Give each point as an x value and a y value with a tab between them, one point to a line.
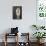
28	15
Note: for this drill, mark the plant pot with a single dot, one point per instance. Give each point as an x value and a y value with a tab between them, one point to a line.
40	40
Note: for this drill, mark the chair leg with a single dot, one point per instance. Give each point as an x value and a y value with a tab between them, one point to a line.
5	39
5	43
17	39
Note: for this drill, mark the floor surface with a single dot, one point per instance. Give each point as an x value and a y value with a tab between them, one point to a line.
13	44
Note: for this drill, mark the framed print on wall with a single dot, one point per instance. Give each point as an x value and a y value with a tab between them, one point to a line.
17	12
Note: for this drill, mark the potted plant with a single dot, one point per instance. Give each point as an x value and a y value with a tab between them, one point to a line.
39	35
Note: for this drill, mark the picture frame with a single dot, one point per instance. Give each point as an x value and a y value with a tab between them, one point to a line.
17	12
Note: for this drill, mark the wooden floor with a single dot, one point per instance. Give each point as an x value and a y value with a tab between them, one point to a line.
13	44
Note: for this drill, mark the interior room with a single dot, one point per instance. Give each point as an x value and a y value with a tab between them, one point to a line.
22	22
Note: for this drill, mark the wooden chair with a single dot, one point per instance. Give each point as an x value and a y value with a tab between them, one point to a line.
8	34
27	43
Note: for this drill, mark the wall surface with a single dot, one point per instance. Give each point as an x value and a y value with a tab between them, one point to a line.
28	15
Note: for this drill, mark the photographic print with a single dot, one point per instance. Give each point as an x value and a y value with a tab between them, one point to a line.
17	12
